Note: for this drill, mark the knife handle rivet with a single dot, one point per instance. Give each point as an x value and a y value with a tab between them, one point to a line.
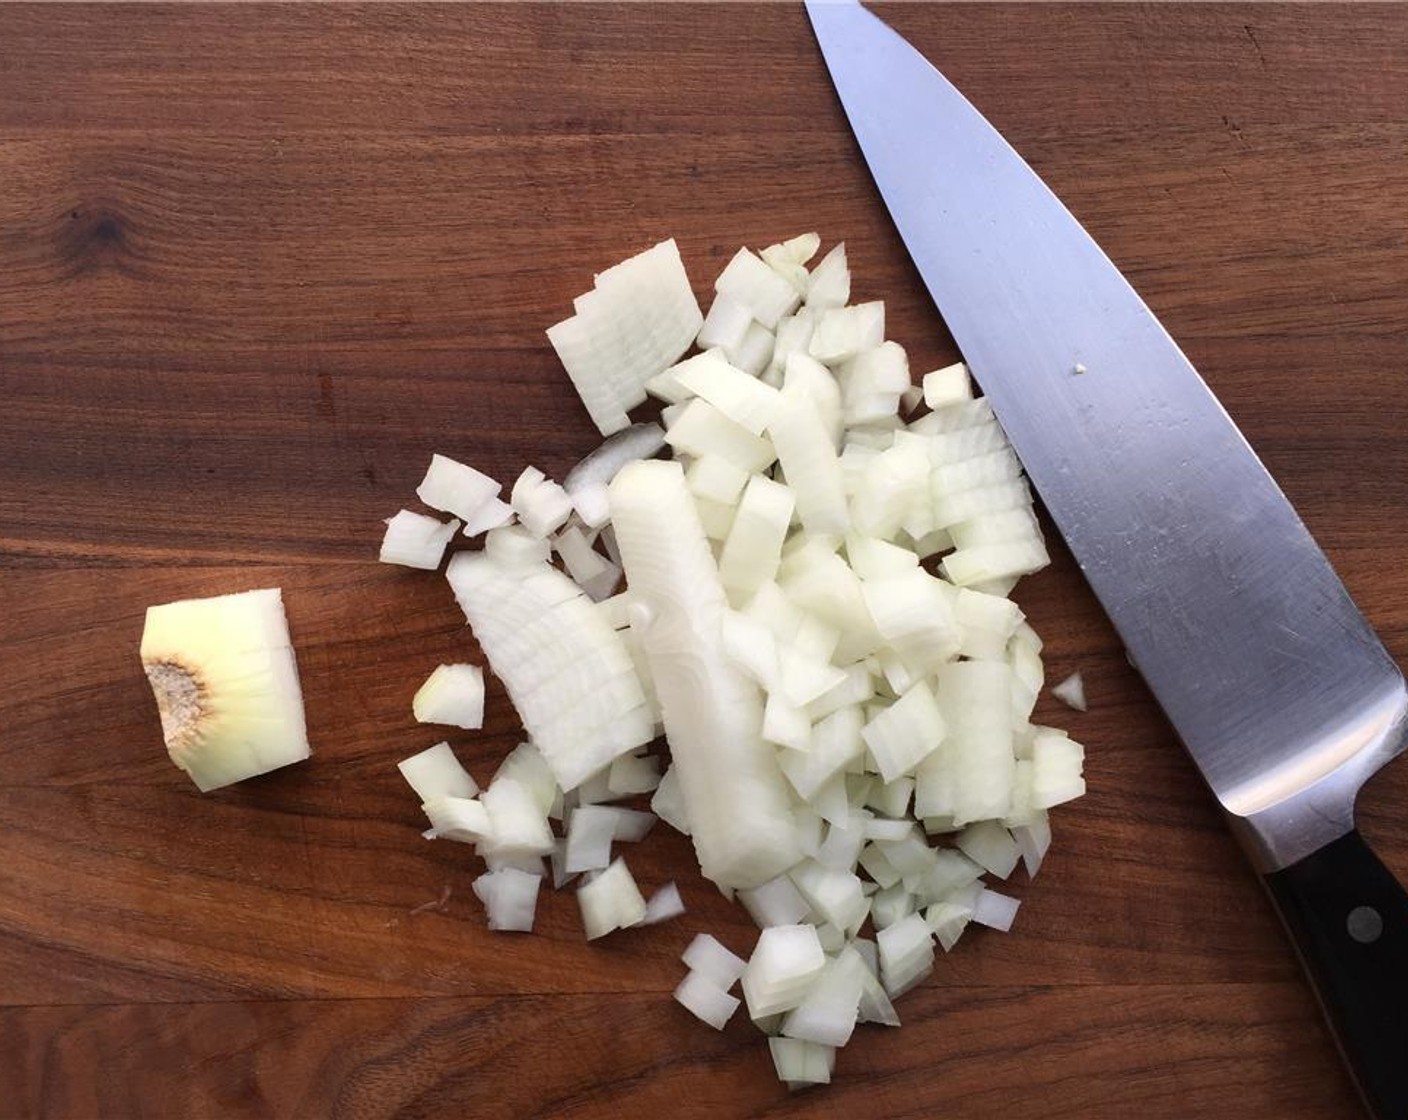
1365	924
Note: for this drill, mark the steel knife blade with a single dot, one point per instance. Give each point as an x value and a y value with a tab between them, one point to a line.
1273	680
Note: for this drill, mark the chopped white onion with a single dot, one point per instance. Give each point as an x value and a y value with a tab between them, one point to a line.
969	778
822	692
828	1012
640	317
784	963
875	1005
510	898
737	804
701	429
541	504
526	766
789	259
414	540
950	871
753	548
458	818
557	860
906	954
742	398
590	830
990	846
1033	840
567	672
948	920
996	911
705	1000
843	332
631	774
841	849
794	335
610	901
586	482
901	736
663	905
1056	769
436	772
713	961
518	823
714	479
1071	692
593	572
514	548
777	902
830	282
890	905
836	896
456	488
800	1063
766	295
668	802
808	458
452	694
492	515
948	386
725	325
754	352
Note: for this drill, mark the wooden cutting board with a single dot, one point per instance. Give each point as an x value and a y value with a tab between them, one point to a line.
256	264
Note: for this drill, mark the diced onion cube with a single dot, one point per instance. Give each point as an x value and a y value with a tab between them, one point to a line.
452	694
456	488
1056	769
725	325
414	540
663	905
1071	692
996	911
631	774
541	504
830	282
902	735
800	1063
777	902
458	818
906	953
710	959
493	514
948	386
705	1000
610	901
990	846
784	963
752	283
510	897
519	822
436	772
844	332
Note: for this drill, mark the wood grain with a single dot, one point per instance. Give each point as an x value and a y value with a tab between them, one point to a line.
257	262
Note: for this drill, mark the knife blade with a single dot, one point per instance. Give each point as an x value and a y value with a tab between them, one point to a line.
1273	680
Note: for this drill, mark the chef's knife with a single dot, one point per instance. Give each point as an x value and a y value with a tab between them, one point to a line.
1272	678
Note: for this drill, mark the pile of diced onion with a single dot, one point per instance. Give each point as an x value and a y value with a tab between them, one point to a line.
809	598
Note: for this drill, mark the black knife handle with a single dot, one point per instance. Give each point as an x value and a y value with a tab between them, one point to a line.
1348	917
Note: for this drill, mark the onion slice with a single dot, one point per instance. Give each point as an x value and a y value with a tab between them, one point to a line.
734	795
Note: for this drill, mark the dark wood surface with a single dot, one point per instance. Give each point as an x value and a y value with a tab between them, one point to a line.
256	263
